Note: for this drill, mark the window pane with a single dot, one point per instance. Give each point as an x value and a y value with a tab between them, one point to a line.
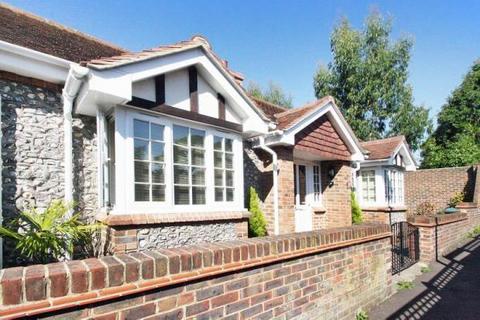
198	176
198	195
157	151
156	132
140	149
157	173
180	135
219	194
182	195
140	129
218	159
219	177
198	157
229	178
229	194
197	138
181	175
217	143
158	193
180	155
141	171
142	192
228	161
228	145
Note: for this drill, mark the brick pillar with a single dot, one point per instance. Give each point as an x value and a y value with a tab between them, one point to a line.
286	196
336	193
427	243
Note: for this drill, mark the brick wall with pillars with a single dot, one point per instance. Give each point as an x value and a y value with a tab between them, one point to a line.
441	234
328	274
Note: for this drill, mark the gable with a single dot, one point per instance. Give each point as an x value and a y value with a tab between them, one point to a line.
321	138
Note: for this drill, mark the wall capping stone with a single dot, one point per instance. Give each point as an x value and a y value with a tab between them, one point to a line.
165	218
116	276
437	220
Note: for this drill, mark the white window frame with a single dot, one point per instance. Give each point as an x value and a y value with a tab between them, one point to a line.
375	187
394	185
311	199
124	169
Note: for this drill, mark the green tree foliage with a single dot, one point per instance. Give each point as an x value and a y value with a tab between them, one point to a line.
357	215
47	236
456	140
368	79
273	93
257	225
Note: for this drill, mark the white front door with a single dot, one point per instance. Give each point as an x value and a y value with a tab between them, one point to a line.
303	211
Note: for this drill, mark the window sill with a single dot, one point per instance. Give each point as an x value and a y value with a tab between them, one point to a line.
166	218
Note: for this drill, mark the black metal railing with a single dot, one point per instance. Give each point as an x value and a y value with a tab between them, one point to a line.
405	246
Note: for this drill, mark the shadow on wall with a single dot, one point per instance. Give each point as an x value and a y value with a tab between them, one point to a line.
452	293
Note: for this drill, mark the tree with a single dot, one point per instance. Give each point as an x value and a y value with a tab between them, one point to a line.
367	77
257	225
273	93
456	140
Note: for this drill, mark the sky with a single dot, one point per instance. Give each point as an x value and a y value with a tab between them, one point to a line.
284	41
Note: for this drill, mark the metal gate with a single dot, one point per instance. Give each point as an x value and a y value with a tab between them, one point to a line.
405	246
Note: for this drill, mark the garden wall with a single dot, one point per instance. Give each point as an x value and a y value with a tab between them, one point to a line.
326	274
438	186
441	234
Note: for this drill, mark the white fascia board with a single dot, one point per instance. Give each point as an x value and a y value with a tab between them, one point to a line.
33	64
411	164
114	86
288	137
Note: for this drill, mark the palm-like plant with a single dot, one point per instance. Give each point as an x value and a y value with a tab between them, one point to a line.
50	235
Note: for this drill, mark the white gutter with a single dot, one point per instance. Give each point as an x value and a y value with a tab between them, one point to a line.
261	145
69	93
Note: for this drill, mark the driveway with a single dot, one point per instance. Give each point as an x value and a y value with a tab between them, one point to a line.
451	290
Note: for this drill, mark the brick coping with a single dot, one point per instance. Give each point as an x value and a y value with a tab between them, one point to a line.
167	218
437	220
33	290
467	205
384	209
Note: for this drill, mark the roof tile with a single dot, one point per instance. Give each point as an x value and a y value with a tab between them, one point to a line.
382	148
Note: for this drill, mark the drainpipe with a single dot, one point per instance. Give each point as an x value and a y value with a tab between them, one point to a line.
69	93
261	145
356	167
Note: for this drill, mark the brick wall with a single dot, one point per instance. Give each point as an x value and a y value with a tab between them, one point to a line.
441	234
384	215
325	274
437	186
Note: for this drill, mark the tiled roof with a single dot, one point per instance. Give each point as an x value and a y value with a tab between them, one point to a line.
382	148
268	108
127	58
36	33
289	118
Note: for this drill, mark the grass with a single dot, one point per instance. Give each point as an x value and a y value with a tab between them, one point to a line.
405	285
361	315
425	269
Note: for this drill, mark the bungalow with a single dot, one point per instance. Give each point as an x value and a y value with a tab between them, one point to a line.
162	145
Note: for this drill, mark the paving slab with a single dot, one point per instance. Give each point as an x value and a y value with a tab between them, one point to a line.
451	290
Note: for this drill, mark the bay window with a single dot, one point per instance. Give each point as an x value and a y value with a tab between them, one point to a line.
165	165
394	187
368	186
223	164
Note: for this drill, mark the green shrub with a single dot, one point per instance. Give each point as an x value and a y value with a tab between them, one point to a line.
43	237
456	199
357	216
474	233
257	225
425	269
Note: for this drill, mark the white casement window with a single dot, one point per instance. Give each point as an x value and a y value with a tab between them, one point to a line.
149	166
224	172
316	184
168	165
188	166
368	186
394	187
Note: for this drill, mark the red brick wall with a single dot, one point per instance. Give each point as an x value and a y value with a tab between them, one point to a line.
336	196
437	186
442	234
320	138
326	274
